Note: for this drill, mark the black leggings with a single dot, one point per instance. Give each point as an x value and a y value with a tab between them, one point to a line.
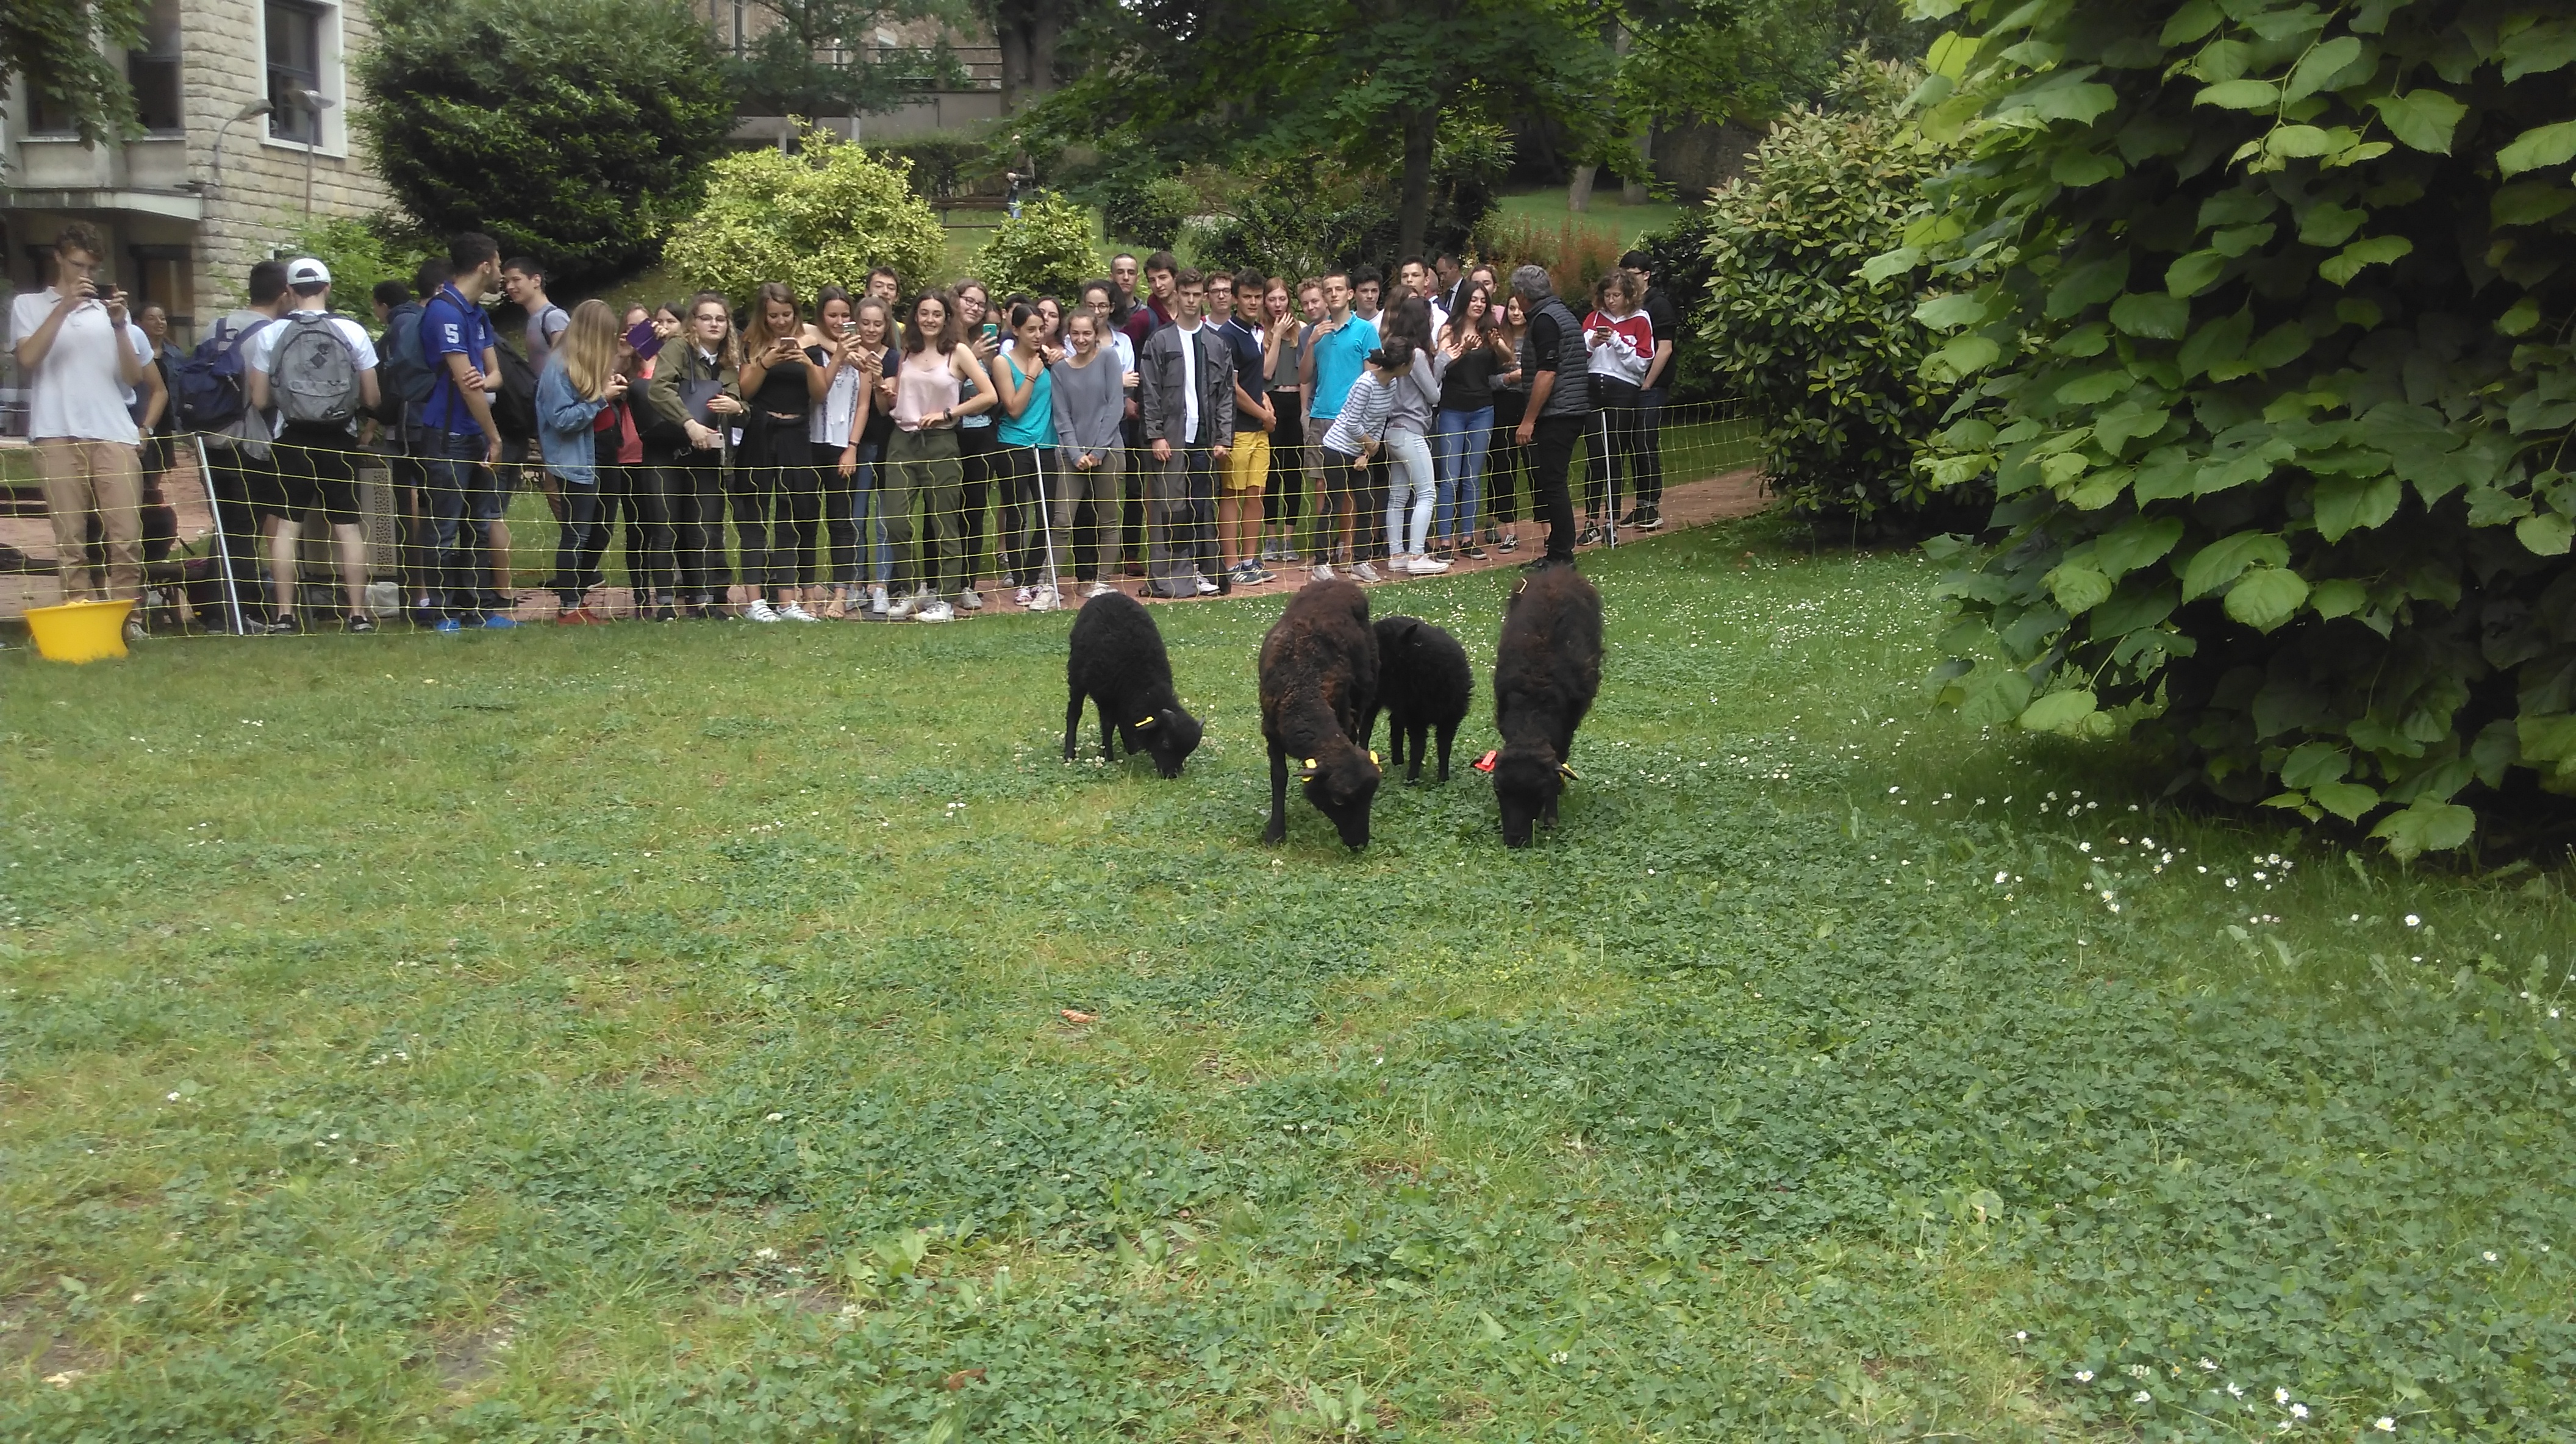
1614	449
697	526
978	461
1286	486
1019	470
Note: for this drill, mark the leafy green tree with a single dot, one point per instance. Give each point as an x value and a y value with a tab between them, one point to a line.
829	213
815	59
53	46
1046	250
1827	354
576	131
2276	390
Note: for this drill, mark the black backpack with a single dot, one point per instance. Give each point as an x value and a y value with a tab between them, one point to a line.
514	406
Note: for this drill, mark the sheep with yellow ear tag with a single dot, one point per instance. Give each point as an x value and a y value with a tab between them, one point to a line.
1318	673
1115	658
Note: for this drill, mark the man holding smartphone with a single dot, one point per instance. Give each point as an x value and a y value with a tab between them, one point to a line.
81	358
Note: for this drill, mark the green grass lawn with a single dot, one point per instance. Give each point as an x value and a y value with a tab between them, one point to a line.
663	1033
1625	224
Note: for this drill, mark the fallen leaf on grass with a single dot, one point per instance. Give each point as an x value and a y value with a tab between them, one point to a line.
1072	1015
963	1377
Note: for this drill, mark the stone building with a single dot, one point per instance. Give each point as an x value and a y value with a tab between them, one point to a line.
245	109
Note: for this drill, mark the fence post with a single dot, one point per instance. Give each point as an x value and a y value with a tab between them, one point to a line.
223	550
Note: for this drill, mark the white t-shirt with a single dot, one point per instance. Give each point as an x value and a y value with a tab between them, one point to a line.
78	391
1190	385
1124	350
261	349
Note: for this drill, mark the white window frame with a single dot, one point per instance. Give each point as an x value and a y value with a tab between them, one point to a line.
334	80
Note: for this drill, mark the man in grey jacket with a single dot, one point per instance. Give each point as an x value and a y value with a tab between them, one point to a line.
1185	397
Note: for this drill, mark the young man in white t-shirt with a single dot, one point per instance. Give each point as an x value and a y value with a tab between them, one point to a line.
78	352
316	462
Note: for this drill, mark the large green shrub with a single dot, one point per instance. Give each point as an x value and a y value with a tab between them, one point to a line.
1047	250
2275	389
830	213
575	131
1827	355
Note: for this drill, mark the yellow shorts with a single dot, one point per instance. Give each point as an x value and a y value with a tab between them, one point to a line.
1247	469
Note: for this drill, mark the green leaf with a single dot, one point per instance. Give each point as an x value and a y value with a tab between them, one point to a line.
2280	346
2528	203
2426	827
1967	355
2080	103
2519	318
2265	597
1897	262
2327	224
2543	145
1950	55
1949	313
2321	65
2240	95
2311	763
2545	534
2237	240
2221	562
2193	273
2349	504
2540	49
2058	712
2298	142
2347	263
2122	424
2219	341
2347	800
2195	19
2078	588
2136	543
2423	119
2095	387
2088	284
2340	597
2144	313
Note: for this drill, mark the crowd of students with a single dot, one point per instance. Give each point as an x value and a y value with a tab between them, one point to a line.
1191	430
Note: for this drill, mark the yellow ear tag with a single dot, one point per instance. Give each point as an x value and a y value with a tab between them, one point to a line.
1148	722
1310	764
1568	769
1372	757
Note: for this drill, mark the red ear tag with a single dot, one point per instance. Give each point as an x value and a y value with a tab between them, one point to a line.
1486	762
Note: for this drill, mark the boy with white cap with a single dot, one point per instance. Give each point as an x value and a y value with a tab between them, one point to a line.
315	370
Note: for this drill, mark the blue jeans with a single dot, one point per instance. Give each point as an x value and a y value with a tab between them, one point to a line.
1458	441
854	522
459	486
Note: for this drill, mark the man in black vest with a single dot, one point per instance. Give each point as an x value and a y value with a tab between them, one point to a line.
1554	362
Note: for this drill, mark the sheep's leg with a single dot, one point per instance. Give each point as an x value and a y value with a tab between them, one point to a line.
1108	736
1277	831
1072	723
1417	731
1448	734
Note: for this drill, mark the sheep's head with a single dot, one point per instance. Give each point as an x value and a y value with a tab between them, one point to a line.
1341	784
1527	780
1169	737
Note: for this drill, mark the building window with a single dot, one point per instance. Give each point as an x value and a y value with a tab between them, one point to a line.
295	72
153	70
164	276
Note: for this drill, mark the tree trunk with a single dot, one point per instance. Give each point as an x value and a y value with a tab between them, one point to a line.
1632	191
1046	27
1578	191
1421	126
1010	36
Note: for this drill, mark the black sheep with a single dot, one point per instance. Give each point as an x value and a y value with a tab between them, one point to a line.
1546	673
1423	682
1116	659
1318	681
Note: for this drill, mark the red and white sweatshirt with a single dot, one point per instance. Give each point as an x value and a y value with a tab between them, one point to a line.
1628	353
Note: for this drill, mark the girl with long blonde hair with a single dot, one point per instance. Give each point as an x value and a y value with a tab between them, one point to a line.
580	381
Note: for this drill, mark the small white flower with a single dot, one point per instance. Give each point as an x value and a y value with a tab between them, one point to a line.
2021	1336
1559	1356
2231	882
1999	879
174	1097
2210	1365
2084	1376
2385	1425
2413	921
2233	1392
2083	847
2298	1411
777	1117
2280	1396
2489	1256
2143	1397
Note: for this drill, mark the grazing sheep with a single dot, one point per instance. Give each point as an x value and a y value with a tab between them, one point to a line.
1116	659
1423	682
1546	673
1318	680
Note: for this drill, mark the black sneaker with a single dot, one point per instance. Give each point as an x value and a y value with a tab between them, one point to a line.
359	624
1654	518
285	625
1590	535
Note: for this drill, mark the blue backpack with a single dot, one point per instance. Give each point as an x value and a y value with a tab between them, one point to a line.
208	385
404	365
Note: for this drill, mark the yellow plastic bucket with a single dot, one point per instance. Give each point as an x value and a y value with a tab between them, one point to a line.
79	631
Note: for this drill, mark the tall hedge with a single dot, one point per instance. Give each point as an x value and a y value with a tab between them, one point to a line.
830	213
1046	250
576	131
1827	358
2274	385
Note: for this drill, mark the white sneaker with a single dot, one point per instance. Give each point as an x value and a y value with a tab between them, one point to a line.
1426	566
934	610
902	608
1206	588
1044	599
1020	598
970	600
759	611
795	612
1097	589
1324	572
877	600
1366	573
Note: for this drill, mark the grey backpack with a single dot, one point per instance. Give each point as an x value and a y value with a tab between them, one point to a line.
312	375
